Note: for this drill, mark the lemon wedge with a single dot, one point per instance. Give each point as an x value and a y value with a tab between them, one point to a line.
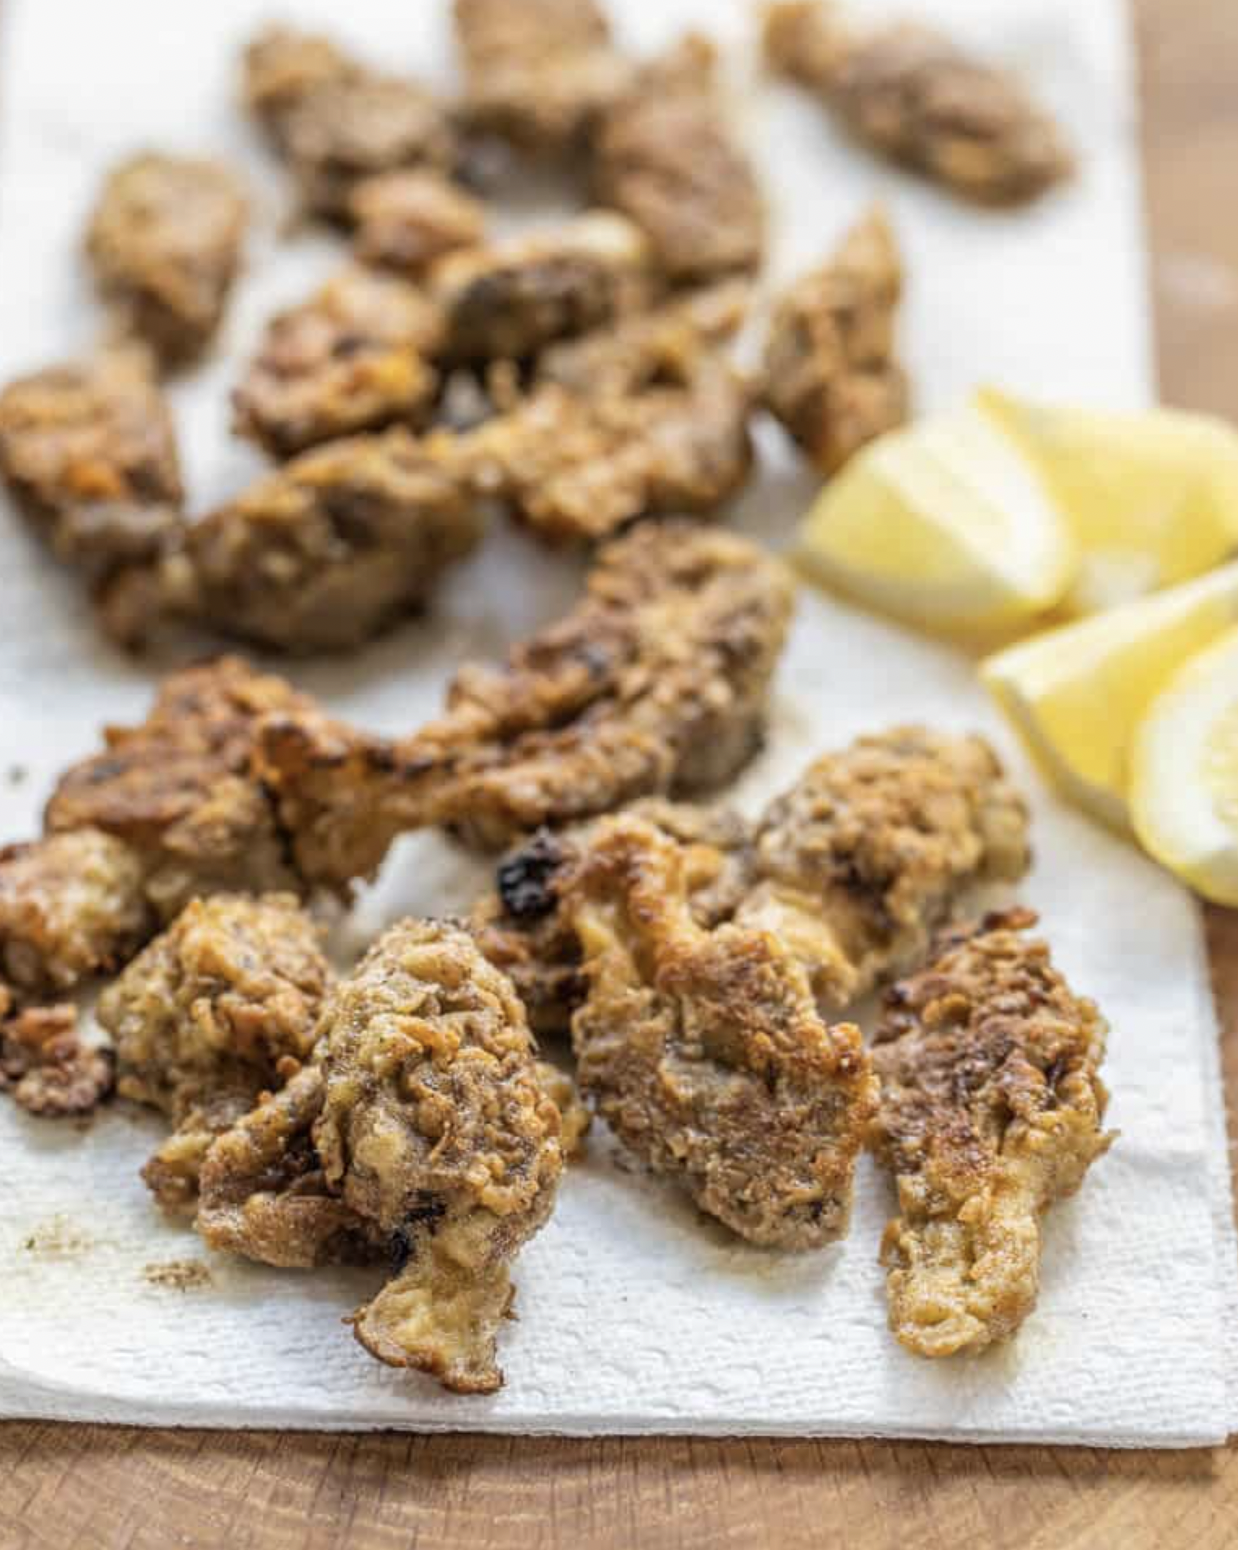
1077	694
1184	773
944	524
1152	498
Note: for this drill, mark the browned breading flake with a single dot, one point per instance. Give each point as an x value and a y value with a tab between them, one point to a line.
538	72
874	847
89	451
919	99
831	374
578	467
180	789
208	1016
991	1110
575	1120
704	1051
507	300
663	154
329	550
524	929
656	682
72	905
354	357
263	1194
165	244
45	1064
422	1130
336	120
405	220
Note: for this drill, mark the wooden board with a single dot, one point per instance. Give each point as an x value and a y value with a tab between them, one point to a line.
86	1488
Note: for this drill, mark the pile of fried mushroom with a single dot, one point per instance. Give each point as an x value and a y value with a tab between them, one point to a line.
689	968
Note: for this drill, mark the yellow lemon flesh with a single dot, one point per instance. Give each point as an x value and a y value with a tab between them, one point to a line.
1184	773
1077	694
944	524
1152	498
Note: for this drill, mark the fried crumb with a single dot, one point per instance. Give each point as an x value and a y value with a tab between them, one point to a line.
180	1275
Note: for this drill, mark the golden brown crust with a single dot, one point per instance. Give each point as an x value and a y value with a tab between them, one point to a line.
436	1128
405	220
165	244
537	73
179	788
991	1110
874	846
335	120
915	96
354	357
88	450
704	1052
831	376
524	928
664	156
330	550
72	905
655	683
509	299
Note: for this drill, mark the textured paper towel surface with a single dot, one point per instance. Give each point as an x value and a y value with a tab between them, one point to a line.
635	1314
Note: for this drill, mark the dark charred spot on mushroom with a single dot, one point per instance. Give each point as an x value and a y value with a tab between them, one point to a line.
527	877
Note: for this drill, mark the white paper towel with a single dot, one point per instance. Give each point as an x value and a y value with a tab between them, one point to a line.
635	1314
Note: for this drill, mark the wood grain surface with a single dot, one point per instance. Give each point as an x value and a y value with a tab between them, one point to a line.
99	1488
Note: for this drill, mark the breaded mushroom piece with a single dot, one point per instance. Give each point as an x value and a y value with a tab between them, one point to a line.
354	357
219	1008
831	373
423	1131
655	683
181	790
875	846
46	1064
336	120
704	1052
524	928
89	452
330	550
507	300
663	154
165	243
536	73
404	220
436	1128
991	1110
921	100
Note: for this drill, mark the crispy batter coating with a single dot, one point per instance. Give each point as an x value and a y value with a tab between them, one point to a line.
180	789
507	300
704	1052
354	357
45	1064
336	120
330	550
536	73
654	683
263	1193
664	155
165	244
525	930
991	1110
209	1015
874	846
920	100
436	1128
578	466
405	220
71	905
575	1120
831	376
89	452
